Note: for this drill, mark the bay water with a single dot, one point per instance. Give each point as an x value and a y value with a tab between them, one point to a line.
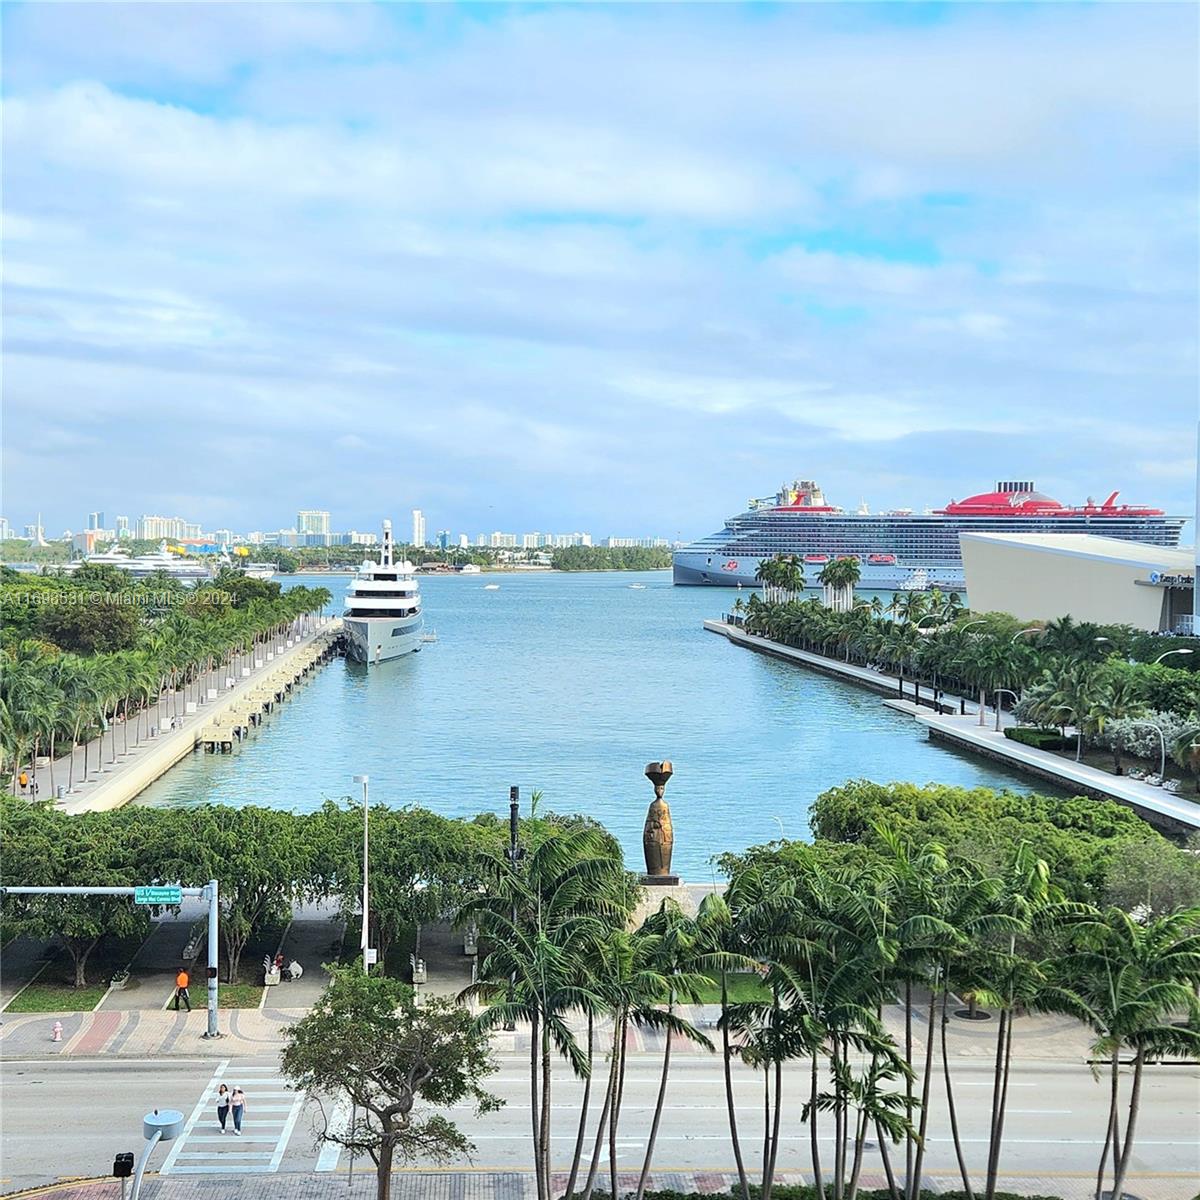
570	683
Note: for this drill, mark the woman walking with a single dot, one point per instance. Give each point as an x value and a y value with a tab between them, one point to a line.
222	1105
238	1104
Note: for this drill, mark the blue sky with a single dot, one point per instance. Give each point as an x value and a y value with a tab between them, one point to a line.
609	268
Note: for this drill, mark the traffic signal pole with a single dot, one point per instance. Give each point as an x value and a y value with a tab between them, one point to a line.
208	892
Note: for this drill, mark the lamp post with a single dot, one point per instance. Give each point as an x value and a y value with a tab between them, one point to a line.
515	854
977	621
998	692
1023	632
1162	742
1168	655
366	940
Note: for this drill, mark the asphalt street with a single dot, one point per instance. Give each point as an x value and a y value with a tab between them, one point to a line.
69	1117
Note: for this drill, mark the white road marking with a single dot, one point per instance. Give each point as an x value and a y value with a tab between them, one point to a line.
339	1122
195	1153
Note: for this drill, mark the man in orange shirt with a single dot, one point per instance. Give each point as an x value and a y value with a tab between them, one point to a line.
181	989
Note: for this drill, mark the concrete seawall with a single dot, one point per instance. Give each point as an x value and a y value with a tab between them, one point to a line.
117	784
1174	814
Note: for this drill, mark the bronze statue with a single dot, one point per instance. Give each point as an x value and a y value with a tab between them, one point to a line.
658	838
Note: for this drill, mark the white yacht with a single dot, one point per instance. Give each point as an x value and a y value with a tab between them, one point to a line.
383	608
161	560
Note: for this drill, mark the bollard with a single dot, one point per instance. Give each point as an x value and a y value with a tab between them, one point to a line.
56	1032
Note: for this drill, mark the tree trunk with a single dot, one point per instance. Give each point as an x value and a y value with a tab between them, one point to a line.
993	1125
53	732
609	1091
839	1119
615	1115
658	1108
583	1111
818	1181
775	1127
383	1170
884	1154
534	1106
958	1150
860	1138
545	1126
914	1184
1135	1096
80	953
743	1182
909	1141
1111	1124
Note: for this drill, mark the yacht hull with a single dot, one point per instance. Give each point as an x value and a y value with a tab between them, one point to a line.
373	640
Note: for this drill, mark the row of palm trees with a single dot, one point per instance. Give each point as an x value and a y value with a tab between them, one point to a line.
50	699
837	940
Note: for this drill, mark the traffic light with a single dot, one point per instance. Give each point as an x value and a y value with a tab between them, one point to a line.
123	1166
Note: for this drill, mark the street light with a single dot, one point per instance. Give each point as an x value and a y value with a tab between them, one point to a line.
365	941
926	617
998	692
1168	655
977	621
1031	629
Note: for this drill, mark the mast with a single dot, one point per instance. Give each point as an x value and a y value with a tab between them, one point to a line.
385	554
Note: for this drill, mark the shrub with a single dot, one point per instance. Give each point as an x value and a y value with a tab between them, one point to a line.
1039	739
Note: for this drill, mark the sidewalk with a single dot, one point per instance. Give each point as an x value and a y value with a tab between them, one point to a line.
112	782
20	961
517	1185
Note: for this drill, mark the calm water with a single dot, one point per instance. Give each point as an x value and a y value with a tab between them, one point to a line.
572	683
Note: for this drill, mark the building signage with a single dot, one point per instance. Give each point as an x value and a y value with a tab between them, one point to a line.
158	895
1162	579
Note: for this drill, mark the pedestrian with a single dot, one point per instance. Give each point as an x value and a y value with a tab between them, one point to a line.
23	779
181	989
238	1103
222	1105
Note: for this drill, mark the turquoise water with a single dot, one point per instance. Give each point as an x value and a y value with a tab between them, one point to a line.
571	683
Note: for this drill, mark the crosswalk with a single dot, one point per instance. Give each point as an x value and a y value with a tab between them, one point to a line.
272	1109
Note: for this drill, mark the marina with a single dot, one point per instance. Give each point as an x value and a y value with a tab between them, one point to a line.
570	684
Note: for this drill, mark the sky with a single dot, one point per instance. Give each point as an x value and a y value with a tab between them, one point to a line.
609	268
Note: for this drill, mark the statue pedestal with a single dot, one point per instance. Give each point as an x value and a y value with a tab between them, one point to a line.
659	881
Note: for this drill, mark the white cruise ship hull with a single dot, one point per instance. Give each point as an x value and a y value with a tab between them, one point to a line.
374	640
699	569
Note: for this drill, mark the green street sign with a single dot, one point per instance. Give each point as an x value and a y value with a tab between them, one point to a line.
158	895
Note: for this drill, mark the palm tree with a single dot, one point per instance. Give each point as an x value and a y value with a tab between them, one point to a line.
1116	698
1130	980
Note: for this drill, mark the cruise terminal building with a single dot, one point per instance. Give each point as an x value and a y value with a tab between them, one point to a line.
1040	576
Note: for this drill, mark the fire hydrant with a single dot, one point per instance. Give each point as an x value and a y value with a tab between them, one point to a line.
56	1032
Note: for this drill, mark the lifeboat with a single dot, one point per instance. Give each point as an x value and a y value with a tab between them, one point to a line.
881	559
816	558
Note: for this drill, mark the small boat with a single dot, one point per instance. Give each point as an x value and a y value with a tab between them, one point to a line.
429	635
816	558
491	587
881	559
638	587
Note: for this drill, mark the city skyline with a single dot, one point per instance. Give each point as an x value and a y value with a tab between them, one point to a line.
545	291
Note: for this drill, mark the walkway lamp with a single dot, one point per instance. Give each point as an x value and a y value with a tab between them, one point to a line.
366	940
1031	629
977	621
1168	655
998	692
161	1125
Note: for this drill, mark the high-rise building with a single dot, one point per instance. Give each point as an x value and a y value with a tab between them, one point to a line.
418	527
443	539
312	520
154	529
463	541
5	529
96	520
192	530
122	527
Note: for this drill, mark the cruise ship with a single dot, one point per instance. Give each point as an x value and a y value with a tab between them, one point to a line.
382	618
899	550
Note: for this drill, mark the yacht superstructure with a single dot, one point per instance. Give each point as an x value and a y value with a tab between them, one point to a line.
160	560
383	618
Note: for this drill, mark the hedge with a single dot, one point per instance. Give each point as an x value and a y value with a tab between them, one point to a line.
1039	739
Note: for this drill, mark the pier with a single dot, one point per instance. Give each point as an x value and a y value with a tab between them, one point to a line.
217	724
962	729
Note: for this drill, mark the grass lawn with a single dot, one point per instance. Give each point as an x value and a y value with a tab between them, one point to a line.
741	987
232	995
57	997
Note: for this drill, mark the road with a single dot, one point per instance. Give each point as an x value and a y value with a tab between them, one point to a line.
68	1117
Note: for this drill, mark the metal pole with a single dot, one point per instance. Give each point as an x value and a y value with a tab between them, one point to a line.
214	946
365	939
151	1142
514	825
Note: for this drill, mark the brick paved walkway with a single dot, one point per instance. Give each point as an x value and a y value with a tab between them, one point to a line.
511	1185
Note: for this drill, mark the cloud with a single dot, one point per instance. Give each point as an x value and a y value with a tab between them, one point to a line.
565	263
